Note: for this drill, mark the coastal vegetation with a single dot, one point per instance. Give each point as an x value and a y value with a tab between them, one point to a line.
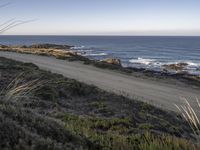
42	110
190	115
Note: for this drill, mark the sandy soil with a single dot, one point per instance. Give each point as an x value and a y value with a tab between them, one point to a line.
160	94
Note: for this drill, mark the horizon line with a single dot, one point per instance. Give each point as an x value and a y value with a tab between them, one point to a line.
97	35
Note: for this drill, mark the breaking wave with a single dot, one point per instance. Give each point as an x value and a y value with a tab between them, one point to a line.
154	64
140	60
78	47
96	54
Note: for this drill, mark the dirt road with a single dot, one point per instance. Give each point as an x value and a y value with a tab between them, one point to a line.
157	93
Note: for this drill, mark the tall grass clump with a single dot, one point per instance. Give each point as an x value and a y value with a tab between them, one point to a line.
190	115
19	88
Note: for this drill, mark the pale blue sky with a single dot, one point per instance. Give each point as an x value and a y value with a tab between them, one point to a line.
104	17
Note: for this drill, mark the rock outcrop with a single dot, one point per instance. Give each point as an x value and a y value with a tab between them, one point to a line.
175	67
4	46
52	46
112	61
58	51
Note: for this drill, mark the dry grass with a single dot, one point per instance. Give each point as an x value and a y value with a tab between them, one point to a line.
19	88
190	115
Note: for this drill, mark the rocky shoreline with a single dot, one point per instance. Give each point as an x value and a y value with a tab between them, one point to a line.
173	71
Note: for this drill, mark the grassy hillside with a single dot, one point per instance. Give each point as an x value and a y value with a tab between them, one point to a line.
41	110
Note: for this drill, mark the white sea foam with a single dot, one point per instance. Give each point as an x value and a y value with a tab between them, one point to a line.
144	61
84	50
193	64
96	54
78	47
192	67
155	62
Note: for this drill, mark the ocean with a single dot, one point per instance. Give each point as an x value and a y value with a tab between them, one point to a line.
150	52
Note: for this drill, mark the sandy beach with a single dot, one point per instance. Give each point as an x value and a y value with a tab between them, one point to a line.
160	94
